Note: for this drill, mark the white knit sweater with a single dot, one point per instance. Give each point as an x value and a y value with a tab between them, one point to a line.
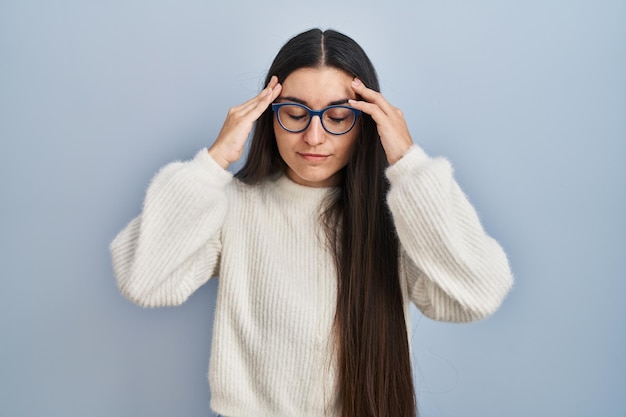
272	355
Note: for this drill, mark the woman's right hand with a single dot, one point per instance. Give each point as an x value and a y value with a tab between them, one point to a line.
230	142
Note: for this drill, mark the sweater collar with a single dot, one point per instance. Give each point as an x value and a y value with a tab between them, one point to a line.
294	191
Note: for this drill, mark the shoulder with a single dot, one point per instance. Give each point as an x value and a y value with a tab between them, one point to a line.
240	191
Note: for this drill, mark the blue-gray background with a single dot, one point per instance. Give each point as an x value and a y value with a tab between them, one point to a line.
527	99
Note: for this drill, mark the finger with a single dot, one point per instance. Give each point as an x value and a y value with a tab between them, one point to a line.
371	96
369	108
259	97
273	82
267	95
257	105
266	99
275	88
379	115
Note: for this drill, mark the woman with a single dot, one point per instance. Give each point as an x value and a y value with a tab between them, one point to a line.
335	222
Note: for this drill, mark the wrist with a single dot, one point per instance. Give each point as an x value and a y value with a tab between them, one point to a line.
218	157
398	152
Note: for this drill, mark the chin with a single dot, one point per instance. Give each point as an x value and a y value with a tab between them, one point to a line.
319	180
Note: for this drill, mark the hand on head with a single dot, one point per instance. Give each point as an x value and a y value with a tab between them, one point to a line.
392	128
390	122
230	142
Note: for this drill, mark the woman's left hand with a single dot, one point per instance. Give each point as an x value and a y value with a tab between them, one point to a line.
392	128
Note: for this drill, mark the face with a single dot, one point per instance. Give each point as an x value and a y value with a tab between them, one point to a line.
315	157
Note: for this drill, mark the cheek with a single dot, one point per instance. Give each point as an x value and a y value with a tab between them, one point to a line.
348	146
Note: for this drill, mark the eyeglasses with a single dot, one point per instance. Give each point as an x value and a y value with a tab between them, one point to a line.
296	118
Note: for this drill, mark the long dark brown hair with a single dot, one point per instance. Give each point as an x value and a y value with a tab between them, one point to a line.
373	355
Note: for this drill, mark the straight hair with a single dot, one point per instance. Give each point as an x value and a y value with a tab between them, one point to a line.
372	347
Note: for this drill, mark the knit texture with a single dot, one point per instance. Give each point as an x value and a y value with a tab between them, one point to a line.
272	353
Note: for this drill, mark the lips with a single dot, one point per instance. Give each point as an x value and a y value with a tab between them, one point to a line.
314	157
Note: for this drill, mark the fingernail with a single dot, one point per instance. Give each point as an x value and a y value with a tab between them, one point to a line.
356	81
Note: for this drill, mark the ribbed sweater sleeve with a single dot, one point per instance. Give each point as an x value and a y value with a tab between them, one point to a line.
173	246
454	271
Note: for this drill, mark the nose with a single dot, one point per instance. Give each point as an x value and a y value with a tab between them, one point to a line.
315	134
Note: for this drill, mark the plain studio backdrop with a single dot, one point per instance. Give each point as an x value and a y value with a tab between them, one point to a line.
527	99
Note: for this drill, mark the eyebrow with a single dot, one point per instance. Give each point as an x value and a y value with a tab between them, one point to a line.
303	102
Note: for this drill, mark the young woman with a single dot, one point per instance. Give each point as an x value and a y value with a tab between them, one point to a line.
334	224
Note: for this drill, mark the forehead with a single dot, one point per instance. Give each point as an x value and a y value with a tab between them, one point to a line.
317	87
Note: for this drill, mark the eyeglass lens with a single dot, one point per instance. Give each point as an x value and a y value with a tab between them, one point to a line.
337	120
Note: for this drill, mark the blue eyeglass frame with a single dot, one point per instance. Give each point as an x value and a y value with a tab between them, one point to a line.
318	113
